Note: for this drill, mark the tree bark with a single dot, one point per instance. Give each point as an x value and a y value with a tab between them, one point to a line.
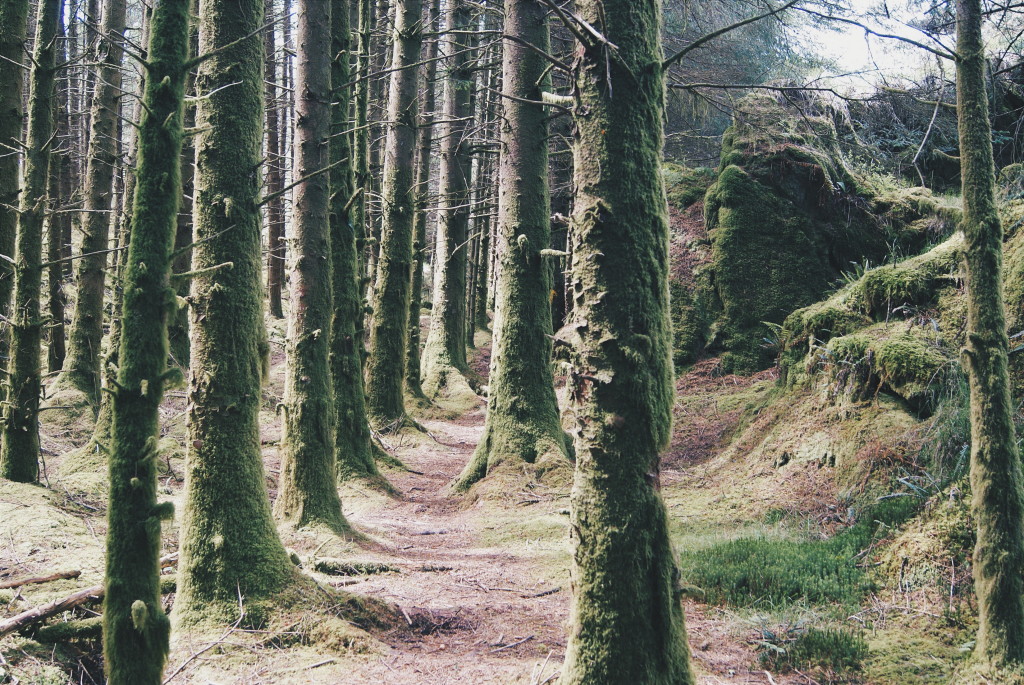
229	544
444	354
82	364
275	179
307	494
361	143
135	628
424	144
626	623
13	28
352	446
101	433
19	455
522	425
389	332
996	482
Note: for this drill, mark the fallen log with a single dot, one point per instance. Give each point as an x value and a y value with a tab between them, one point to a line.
86	629
63	575
41	613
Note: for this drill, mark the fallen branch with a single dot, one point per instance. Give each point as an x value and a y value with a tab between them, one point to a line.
512	644
41	613
63	575
86	629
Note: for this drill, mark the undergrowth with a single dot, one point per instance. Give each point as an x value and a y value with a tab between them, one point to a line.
778	572
833	651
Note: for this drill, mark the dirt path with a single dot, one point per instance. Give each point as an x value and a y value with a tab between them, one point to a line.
484	614
484	585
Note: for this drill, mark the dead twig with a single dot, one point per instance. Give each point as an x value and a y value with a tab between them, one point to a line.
511	644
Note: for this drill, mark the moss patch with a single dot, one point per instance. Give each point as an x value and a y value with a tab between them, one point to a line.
786	217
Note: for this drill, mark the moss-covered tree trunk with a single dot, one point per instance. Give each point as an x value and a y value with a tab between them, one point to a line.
13	27
352	447
135	628
57	223
177	325
626	622
996	481
522	411
101	432
82	364
389	331
424	144
19	454
361	139
444	354
229	544
275	178
307	494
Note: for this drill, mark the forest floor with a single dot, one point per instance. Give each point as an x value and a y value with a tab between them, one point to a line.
483	584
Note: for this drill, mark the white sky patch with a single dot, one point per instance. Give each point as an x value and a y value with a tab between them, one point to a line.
862	61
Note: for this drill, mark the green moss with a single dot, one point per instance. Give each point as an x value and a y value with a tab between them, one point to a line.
835	651
900	654
766	263
685	185
912	282
908	361
778	572
786	217
909	290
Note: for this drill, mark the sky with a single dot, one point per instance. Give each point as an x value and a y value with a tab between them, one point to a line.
862	60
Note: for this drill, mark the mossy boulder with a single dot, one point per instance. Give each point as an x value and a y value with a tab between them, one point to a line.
786	217
907	360
923	292
685	185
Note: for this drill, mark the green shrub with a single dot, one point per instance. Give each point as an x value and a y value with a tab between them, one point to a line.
779	572
830	650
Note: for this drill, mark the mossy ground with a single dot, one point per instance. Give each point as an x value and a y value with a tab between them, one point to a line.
750	460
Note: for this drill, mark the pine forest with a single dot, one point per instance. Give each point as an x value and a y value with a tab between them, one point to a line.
536	342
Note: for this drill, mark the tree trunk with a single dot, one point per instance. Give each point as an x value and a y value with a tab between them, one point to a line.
135	628
352	447
424	143
361	144
82	365
522	423
998	492
307	493
13	27
444	355
275	178
56	221
627	616
379	85
389	332
177	325
229	544
101	433
19	455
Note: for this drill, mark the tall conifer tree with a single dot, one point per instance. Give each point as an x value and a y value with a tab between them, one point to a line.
626	623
